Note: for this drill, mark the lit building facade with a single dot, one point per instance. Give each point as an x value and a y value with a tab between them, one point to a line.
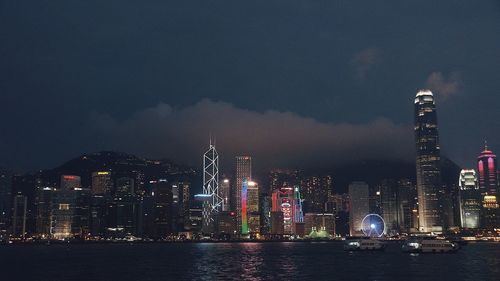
429	188
287	201
488	169
359	203
470	199
243	171
491	214
253	214
214	202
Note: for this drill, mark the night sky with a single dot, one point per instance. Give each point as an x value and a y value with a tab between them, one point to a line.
293	83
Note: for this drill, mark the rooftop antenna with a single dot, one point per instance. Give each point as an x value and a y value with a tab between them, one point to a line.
485	145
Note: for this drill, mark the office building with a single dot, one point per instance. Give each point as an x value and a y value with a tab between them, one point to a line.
469	199
359	204
429	187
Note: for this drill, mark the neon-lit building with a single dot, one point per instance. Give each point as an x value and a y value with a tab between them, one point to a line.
253	214
487	167
470	199
243	171
287	200
429	187
244	208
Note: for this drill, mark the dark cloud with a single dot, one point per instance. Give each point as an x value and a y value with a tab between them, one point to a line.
275	139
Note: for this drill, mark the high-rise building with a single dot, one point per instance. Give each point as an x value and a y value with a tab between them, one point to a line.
243	171
429	186
406	203
5	201
491	215
488	172
359	203
101	183
315	191
389	205
225	193
253	214
64	202
19	216
214	202
287	200
43	203
162	209
470	199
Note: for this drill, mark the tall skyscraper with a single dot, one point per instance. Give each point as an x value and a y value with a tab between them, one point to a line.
243	171
359	202
470	199
429	188
488	168
214	202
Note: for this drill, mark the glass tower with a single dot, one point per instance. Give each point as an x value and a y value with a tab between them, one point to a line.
429	188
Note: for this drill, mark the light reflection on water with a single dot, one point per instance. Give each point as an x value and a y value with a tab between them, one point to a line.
243	261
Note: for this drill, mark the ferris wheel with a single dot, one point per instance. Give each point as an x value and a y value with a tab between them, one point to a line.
373	225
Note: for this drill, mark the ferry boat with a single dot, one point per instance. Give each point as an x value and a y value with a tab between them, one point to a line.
364	245
429	246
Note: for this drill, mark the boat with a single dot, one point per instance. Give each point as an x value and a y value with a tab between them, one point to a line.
430	246
364	245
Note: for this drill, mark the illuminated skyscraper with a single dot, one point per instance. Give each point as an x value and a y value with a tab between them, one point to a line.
487	167
244	208
213	203
429	188
243	171
470	199
359	202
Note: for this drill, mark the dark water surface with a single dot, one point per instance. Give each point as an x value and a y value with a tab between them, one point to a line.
242	261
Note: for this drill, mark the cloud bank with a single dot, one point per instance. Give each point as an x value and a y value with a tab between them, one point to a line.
443	87
274	139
